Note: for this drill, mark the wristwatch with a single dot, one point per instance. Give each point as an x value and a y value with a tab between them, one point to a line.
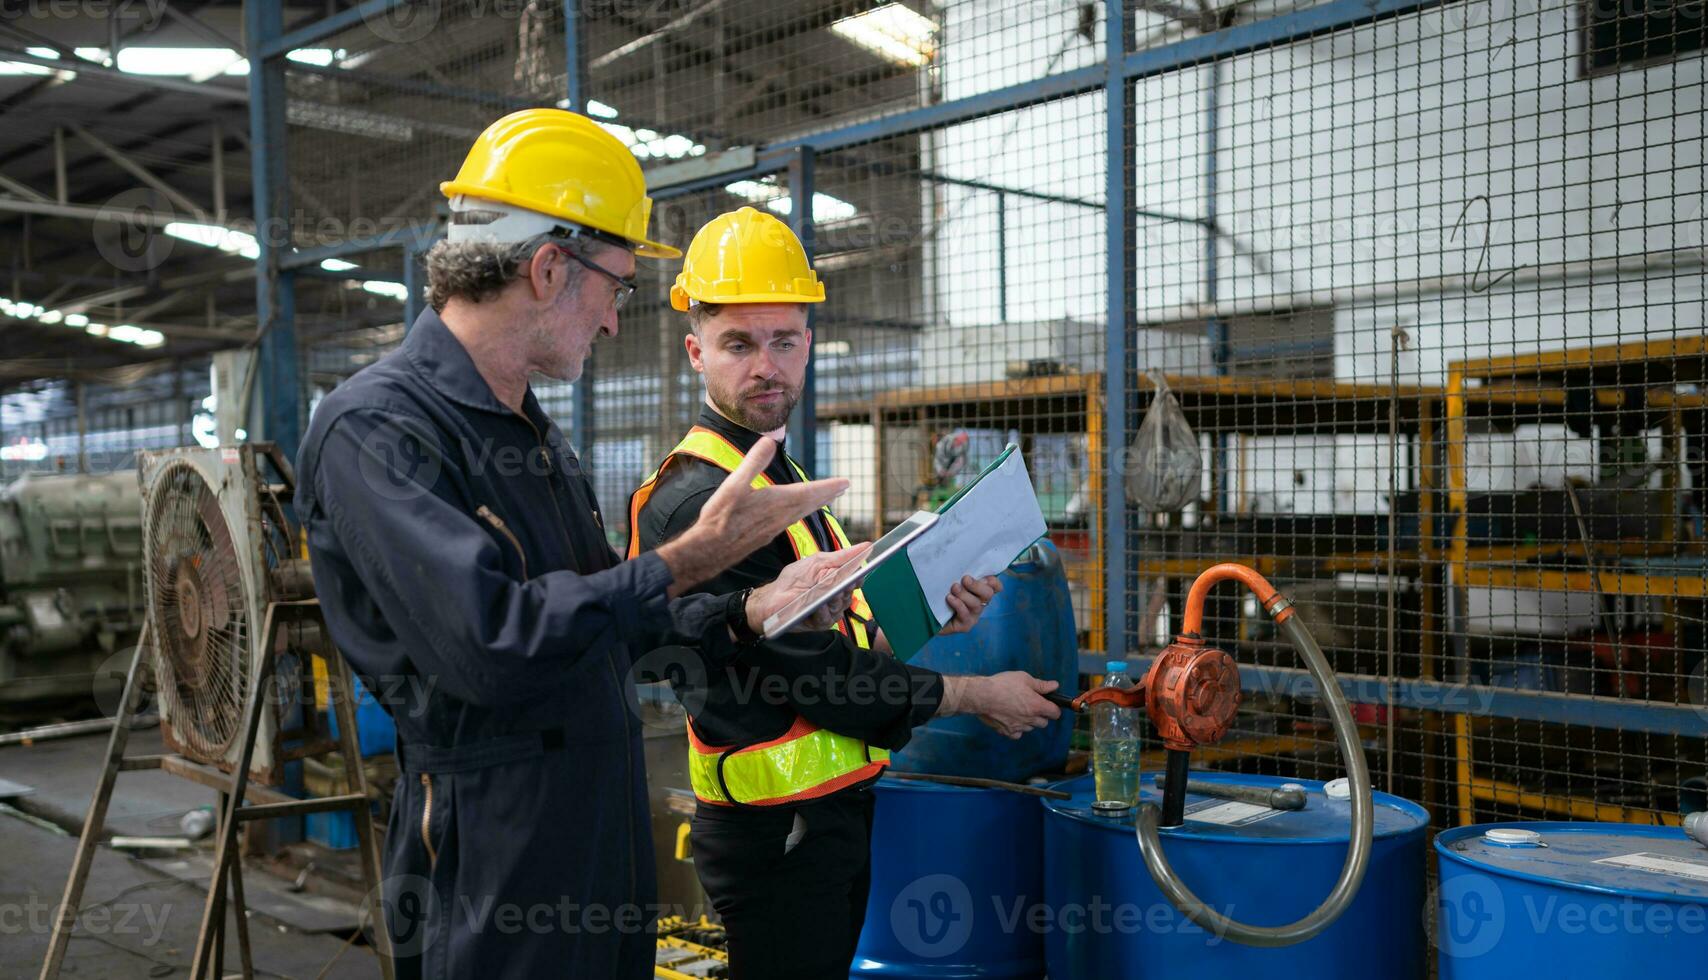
735	615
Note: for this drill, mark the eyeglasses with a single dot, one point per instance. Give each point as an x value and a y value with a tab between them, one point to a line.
625	287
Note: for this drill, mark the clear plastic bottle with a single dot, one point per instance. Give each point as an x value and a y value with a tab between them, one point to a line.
1115	743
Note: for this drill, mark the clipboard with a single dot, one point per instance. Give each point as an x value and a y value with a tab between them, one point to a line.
982	529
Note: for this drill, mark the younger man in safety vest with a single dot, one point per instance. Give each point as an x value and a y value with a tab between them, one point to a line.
784	744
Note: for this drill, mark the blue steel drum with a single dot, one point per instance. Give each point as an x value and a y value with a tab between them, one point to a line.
953	870
1028	626
1259	866
1571	900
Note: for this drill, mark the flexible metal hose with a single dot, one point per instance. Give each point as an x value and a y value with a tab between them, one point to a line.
1357	851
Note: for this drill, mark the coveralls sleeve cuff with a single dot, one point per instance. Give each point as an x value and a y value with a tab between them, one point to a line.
649	584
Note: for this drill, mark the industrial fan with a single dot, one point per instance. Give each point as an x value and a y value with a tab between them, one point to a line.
232	623
217	551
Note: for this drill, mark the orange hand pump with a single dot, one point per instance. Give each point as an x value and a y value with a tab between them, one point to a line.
1192	689
1192	693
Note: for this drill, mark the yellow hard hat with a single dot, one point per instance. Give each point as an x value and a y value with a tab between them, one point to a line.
746	256
561	165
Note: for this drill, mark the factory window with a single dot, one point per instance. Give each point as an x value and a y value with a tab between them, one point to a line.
1620	33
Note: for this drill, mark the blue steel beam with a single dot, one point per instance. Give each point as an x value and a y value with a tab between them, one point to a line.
942	114
773	161
414	282
583	414
1240	39
1448	697
575	74
1001	257
1270	32
417	237
302	37
275	287
416	86
803	423
1117	232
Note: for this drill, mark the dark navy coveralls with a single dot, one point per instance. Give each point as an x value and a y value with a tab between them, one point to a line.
462	564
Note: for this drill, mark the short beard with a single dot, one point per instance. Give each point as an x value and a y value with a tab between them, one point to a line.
733	408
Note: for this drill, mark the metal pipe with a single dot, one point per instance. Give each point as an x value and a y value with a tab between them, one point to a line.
1267	595
1273	797
67	729
980	782
1174	787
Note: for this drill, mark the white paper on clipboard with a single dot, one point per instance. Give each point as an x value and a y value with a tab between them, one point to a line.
981	532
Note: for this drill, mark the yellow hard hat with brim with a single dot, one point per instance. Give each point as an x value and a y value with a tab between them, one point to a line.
563	165
746	256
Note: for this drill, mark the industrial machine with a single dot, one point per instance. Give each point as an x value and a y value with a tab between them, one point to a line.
70	583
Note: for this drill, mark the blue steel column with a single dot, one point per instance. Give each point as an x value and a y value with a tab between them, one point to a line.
803	422
275	287
413	283
1119	241
1001	257
1215	328
581	420
574	81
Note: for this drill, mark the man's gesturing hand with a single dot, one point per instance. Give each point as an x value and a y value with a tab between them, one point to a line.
739	518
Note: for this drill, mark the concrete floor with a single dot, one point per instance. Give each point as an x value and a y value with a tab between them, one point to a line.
141	915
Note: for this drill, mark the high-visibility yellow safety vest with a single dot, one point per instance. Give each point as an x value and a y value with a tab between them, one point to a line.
806	762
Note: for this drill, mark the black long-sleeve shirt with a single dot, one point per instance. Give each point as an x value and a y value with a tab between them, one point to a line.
821	675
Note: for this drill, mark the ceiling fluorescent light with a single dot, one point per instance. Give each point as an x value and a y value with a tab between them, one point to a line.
892	31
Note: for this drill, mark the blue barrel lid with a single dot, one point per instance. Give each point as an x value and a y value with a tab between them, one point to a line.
1323	820
1658	863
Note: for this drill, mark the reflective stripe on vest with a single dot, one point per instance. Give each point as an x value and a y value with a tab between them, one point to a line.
806	762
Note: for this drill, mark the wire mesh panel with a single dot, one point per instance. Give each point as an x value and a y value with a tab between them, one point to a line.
377	117
1434	311
1425	285
965	280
